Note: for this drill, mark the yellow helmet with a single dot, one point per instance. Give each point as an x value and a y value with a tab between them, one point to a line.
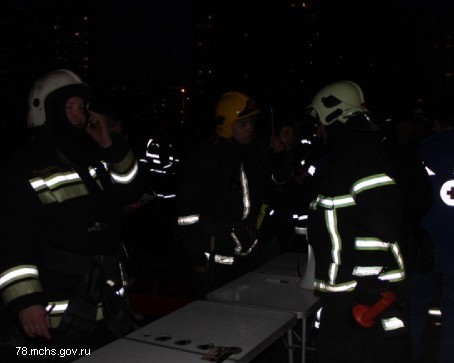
231	107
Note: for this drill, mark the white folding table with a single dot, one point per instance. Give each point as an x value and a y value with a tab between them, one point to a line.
129	351
277	292
203	324
190	332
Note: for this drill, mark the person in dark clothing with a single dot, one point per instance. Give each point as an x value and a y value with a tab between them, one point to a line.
354	228
305	147
401	148
61	275
223	195
291	199
435	288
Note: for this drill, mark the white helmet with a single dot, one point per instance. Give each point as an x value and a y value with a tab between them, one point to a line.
46	85
337	102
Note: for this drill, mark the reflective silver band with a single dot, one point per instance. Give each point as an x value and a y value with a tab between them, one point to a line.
223	260
323	286
188	220
239	248
127	177
392	324
370	182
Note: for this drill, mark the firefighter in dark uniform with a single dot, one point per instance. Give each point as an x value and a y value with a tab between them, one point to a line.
354	230
61	274
222	195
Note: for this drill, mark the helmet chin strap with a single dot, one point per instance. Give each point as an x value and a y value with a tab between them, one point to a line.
362	121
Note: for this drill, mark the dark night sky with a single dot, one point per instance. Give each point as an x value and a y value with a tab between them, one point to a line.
150	42
138	41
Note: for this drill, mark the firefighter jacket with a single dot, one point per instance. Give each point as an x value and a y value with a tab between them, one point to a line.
221	200
437	153
59	216
354	223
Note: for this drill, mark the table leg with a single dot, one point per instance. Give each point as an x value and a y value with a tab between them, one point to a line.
303	340
290	345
